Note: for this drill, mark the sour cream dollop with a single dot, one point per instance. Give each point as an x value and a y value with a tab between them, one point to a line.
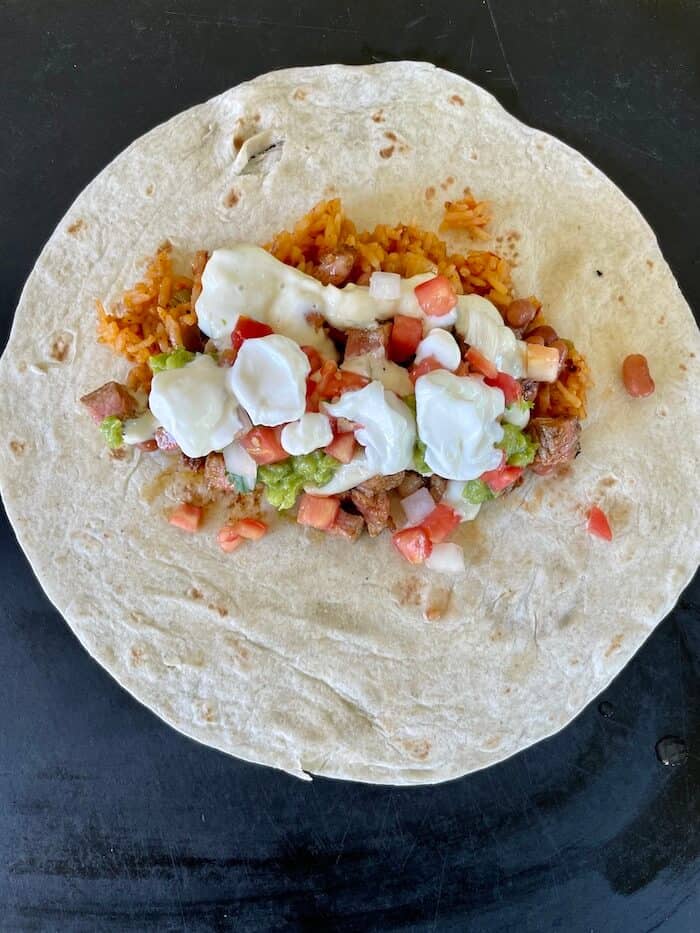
309	433
481	325
457	422
441	345
269	379
388	430
195	406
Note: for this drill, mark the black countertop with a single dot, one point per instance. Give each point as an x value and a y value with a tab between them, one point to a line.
109	820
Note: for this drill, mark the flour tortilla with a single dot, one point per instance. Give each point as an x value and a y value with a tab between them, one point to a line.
305	652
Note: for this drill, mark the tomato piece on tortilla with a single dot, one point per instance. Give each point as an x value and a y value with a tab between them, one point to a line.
186	516
436	296
228	539
479	362
598	524
502	478
441	522
406	334
317	511
264	445
247	328
413	544
252	529
511	388
314	357
425	366
342	447
334	381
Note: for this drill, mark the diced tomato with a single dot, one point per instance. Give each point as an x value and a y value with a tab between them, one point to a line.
406	334
479	362
186	516
502	478
425	366
312	396
247	329
342	447
413	544
441	522
228	539
598	524
317	511
511	388
335	381
250	528
264	446
436	296
314	357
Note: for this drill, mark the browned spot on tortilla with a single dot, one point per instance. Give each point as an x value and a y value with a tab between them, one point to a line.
391	135
387	152
662	412
429	193
621	298
119	454
691	355
540	145
607	481
22	367
223	612
417	748
513	235
507	690
239	649
165	247
472	540
76	226
574	661
683	367
456	99
378	117
614	645
408	591
299	94
137	654
238	140
404	147
533	503
474	156
194	593
150	189
232	198
208	713
496	634
60	347
492	742
662	320
18	447
650	263
330	189
437	602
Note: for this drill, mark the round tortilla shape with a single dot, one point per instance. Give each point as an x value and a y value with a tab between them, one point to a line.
304	652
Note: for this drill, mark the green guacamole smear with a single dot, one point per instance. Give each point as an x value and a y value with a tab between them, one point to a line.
476	491
285	480
175	359
518	448
113	432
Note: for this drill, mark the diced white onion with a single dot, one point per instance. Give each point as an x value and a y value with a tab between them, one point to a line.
446	558
542	362
385	286
417	506
239	462
246	423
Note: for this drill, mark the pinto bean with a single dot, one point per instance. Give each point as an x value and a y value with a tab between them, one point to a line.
548	334
520	312
636	376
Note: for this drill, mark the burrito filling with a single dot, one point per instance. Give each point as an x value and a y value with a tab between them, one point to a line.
367	380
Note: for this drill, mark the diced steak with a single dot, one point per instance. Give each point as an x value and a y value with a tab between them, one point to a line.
347	525
335	268
437	485
192	463
381	483
411	483
529	387
375	509
215	472
111	399
164	440
363	340
558	440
